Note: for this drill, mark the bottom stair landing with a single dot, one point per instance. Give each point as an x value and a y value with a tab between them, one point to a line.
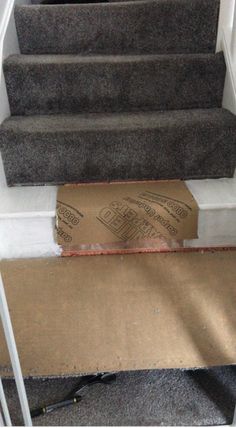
114	313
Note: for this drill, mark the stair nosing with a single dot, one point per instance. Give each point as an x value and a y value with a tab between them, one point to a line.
40	59
90	118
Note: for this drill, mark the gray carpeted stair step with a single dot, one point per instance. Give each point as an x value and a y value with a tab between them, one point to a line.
102	147
52	84
57	2
141	27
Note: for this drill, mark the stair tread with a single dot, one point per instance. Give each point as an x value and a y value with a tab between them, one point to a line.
146	311
107	121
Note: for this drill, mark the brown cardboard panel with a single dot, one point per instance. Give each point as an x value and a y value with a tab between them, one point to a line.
111	313
155	215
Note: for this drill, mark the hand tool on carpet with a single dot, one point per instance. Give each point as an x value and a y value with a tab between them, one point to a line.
74	396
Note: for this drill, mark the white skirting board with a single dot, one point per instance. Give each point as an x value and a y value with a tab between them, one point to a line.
217	212
27	217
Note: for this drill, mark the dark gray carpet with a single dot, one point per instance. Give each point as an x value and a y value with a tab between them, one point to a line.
159	397
150	63
101	147
54	84
141	27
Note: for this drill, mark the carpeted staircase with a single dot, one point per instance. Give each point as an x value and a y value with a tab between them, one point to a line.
117	91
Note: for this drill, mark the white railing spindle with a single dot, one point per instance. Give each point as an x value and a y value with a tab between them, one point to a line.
11	344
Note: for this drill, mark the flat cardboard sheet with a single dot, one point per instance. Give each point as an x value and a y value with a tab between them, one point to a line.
113	313
123	216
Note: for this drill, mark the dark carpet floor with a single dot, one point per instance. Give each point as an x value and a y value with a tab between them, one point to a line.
155	397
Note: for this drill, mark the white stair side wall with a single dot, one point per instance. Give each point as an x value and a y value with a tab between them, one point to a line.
229	96
8	46
225	20
224	39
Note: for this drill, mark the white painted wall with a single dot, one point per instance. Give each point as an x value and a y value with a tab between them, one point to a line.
8	46
229	96
224	42
2	8
225	20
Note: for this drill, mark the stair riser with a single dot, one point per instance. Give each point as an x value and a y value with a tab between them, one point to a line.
160	26
179	82
203	152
